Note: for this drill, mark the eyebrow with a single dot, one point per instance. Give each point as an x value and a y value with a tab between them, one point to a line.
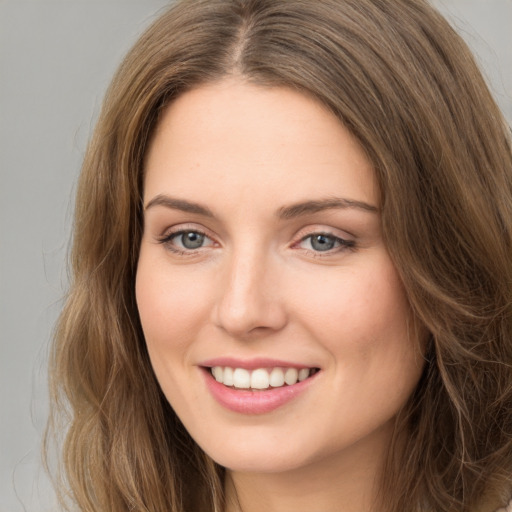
309	207
179	204
285	212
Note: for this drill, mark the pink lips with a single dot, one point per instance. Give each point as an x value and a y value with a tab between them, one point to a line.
246	401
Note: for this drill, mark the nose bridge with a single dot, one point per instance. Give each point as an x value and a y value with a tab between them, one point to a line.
249	298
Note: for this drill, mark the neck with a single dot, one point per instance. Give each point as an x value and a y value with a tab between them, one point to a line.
346	482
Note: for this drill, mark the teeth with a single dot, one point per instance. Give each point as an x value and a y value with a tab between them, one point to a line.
261	378
303	374
291	376
218	373
228	376
277	378
241	378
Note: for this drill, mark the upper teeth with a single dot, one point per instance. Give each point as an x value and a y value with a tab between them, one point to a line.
260	378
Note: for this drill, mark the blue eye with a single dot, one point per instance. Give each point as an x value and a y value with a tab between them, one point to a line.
189	239
323	242
186	240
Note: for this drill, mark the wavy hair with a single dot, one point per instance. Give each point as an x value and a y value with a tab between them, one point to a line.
406	86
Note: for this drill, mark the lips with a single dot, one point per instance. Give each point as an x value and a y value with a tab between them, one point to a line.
257	386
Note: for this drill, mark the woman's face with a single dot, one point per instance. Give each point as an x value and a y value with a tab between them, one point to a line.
262	253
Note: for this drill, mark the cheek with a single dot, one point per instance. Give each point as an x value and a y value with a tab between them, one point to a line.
170	303
358	306
363	320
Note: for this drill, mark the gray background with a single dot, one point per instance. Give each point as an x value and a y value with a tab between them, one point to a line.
56	59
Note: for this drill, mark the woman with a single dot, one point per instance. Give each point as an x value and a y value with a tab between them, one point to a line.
291	269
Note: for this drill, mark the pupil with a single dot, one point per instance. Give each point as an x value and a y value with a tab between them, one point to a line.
192	240
322	243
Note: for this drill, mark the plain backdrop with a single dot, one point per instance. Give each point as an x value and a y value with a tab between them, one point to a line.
56	60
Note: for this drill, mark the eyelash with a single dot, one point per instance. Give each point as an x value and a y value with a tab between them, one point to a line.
343	244
166	240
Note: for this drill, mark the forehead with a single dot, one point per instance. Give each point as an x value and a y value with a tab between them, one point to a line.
232	137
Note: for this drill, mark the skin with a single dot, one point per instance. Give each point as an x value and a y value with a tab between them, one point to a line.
257	287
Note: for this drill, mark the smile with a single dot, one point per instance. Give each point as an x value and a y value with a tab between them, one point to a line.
260	378
257	387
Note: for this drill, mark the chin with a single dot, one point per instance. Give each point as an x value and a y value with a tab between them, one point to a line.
261	462
255	454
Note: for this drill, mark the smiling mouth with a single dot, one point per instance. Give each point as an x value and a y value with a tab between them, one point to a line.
262	378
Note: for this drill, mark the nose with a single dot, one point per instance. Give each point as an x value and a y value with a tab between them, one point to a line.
250	300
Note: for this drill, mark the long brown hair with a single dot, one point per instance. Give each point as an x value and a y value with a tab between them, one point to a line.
399	78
